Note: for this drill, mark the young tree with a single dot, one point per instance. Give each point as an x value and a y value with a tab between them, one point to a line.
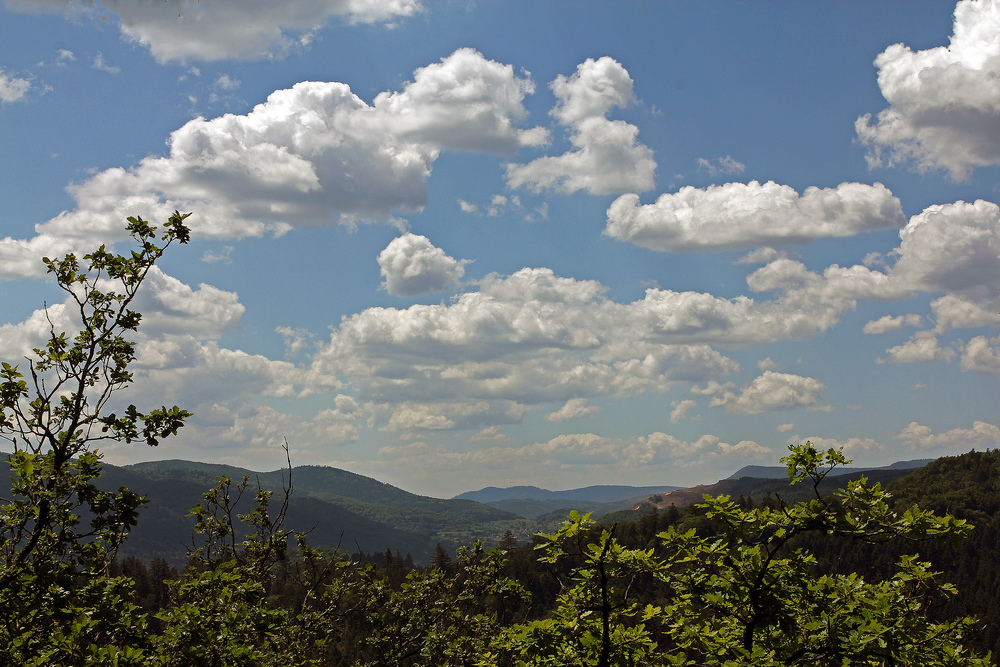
59	533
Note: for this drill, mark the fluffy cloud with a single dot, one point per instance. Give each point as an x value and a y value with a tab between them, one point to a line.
888	323
307	155
921	438
738	215
772	392
956	312
981	354
177	362
412	265
170	306
944	102
12	88
412	417
575	408
528	338
464	103
681	409
953	247
923	346
182	30
534	337
564	461
607	158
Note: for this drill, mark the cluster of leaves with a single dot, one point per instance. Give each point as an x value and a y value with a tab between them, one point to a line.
742	592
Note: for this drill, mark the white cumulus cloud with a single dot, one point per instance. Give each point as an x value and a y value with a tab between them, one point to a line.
956	312
681	409
954	247
412	265
923	346
12	88
944	102
574	408
607	158
313	154
888	323
743	215
982	355
206	30
771	392
982	435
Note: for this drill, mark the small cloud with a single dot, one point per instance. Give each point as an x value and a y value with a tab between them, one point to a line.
721	165
411	265
875	260
226	82
772	392
222	256
762	255
295	339
575	408
982	435
64	56
539	213
467	207
920	385
681	409
922	347
889	323
712	388
784	428
12	88
101	64
768	364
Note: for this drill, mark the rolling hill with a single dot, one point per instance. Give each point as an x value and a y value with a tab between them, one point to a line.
336	506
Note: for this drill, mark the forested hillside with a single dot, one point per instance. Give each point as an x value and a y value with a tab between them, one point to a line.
336	507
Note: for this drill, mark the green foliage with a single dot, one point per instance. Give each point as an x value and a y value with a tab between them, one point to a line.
219	613
746	595
59	532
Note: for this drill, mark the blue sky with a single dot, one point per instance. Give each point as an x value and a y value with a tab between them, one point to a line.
453	244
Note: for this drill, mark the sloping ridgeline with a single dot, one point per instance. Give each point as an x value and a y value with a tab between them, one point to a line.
338	507
967	486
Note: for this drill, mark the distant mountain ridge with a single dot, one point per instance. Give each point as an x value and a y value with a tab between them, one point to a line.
781	472
600	493
337	507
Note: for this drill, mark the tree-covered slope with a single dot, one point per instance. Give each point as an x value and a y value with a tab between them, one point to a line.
338	506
